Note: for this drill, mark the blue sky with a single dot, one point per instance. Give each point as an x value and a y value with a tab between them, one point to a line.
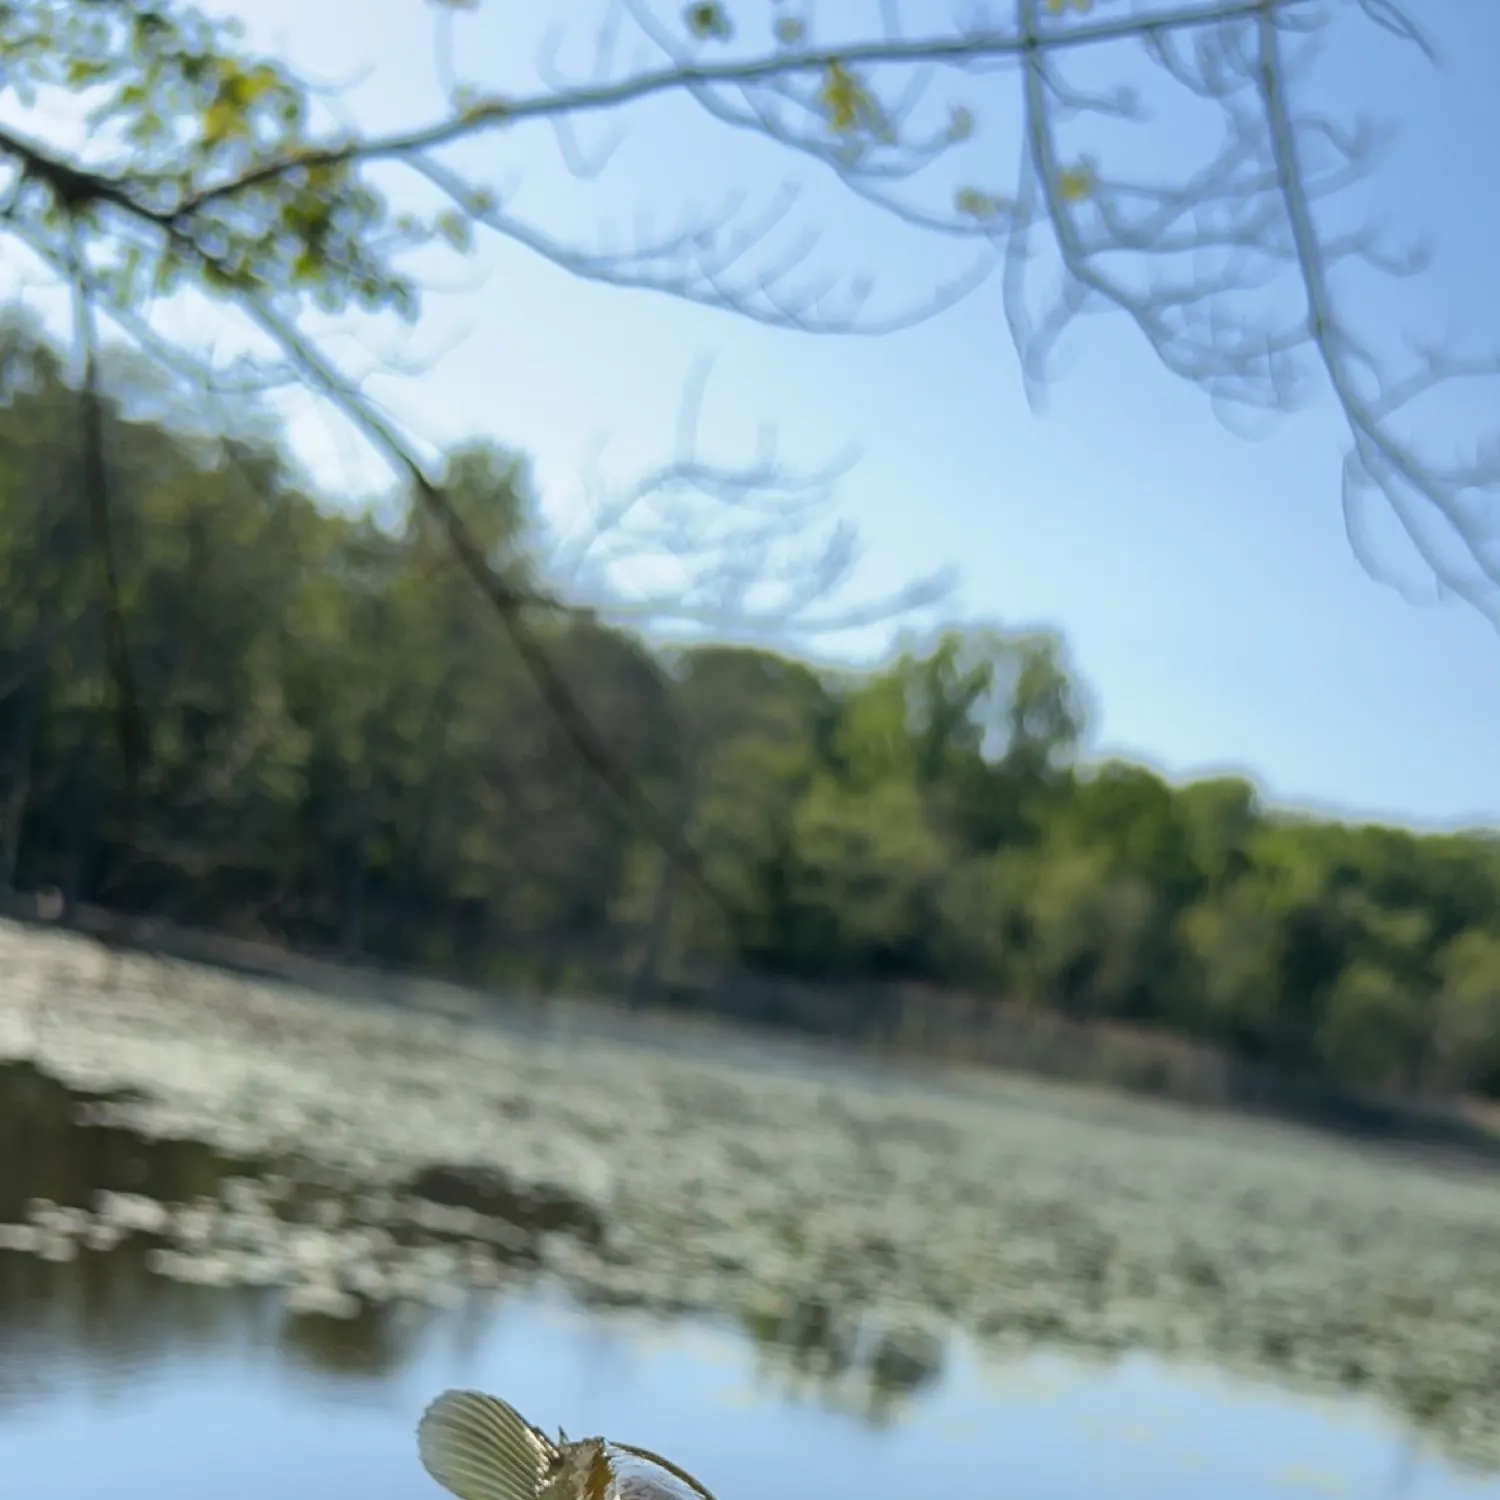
1204	582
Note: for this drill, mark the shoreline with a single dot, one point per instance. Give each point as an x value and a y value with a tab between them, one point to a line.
692	1182
1457	1136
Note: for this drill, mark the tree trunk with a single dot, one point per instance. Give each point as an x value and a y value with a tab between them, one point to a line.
643	981
356	887
18	802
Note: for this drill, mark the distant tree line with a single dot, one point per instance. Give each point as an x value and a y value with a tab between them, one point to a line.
343	756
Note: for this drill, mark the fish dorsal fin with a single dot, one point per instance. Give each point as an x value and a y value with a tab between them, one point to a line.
479	1448
689	1485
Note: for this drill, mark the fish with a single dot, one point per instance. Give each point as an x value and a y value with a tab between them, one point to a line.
479	1447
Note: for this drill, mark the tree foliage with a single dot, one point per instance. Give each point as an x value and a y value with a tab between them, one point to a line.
201	169
208	166
336	757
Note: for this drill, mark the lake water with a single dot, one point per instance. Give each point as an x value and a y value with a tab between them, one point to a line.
115	1380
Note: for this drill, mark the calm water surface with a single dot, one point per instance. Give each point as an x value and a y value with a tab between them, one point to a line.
117	1381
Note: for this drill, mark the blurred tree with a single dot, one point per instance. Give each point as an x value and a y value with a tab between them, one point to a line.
1371	1033
338	758
1467	1042
206	172
1232	947
1095	937
861	872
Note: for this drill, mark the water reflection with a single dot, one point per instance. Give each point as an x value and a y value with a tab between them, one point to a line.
107	1307
114	1308
51	1153
113	1376
827	1352
104	1310
222	1420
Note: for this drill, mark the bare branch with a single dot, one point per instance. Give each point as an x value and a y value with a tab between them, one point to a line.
961	48
752	549
507	603
1224	268
129	725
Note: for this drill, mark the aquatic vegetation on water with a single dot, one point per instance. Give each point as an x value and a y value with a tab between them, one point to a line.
412	1157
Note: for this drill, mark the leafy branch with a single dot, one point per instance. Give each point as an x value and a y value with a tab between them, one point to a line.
205	171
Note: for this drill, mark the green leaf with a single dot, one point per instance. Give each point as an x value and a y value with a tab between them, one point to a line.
708	21
456	228
844	99
974	204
